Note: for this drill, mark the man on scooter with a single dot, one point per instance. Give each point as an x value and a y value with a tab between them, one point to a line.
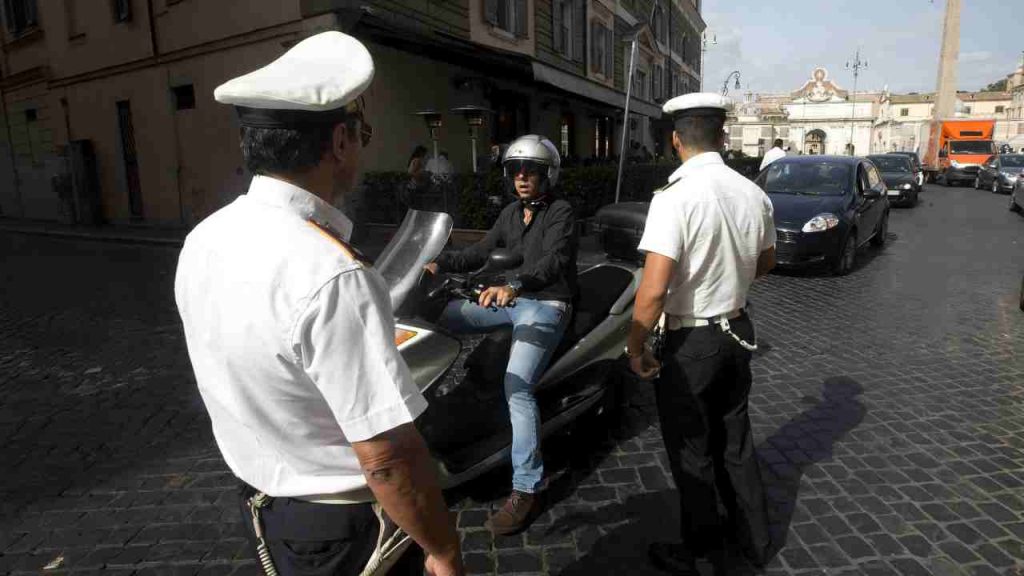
536	303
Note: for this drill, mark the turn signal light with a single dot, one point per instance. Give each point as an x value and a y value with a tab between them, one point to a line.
403	336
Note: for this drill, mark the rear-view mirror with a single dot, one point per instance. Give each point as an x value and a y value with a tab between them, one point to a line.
502	259
871	193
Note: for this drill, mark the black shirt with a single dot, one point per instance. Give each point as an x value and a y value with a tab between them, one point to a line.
548	245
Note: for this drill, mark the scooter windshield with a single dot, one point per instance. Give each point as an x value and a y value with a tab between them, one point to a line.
418	241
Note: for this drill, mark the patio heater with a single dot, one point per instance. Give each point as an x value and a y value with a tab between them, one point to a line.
474	116
433	120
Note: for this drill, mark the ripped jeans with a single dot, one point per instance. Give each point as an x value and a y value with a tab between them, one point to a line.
537	327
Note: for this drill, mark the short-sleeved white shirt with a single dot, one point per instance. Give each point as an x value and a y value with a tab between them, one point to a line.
714	223
292	342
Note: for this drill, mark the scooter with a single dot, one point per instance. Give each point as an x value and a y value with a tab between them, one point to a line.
466	424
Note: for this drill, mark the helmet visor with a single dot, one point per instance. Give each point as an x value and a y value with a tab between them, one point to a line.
525	167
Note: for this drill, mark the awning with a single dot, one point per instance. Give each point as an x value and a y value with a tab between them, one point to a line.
583	87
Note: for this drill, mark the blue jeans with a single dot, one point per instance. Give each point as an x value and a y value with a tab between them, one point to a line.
537	327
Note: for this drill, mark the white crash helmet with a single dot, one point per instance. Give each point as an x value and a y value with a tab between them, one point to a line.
534	148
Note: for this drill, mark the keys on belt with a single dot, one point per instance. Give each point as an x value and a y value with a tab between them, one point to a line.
677	322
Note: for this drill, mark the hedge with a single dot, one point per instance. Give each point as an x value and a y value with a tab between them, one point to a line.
474	200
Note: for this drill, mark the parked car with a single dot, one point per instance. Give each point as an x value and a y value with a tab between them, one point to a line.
900	181
1000	173
915	161
1017	195
826	208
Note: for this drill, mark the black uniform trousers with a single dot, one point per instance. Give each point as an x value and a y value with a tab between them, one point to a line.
309	539
702	395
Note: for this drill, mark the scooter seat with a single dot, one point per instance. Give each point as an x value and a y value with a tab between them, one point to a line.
599	288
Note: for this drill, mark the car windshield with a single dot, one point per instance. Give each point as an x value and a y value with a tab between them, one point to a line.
1016	161
891	164
811	178
972	147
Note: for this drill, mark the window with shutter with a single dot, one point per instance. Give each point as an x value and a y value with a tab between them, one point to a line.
609	55
491	11
122	10
20	15
521	18
579	30
558	39
595	44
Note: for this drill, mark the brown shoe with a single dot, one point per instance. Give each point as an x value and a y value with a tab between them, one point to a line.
519	511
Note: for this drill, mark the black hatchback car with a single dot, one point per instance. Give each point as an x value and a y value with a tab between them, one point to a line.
915	161
900	180
826	208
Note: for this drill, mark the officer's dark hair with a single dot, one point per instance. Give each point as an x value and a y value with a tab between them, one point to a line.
290	150
701	132
777	143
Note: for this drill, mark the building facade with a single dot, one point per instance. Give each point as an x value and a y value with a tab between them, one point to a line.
823	118
109	114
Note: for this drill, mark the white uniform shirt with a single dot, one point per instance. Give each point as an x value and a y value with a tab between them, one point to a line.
714	223
292	342
771	156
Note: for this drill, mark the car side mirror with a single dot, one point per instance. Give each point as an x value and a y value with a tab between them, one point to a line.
942	154
871	194
502	259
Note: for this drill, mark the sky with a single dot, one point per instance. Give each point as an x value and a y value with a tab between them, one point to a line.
776	45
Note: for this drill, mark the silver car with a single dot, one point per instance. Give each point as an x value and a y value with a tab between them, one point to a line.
999	173
1017	198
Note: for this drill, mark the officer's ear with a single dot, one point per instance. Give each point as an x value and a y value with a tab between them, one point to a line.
345	134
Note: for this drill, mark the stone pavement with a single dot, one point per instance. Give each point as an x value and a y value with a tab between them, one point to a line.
887	409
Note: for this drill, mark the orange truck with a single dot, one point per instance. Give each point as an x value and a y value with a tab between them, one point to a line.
958	148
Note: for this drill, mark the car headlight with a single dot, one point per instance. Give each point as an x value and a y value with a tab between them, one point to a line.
954	163
907	186
1011	178
821	222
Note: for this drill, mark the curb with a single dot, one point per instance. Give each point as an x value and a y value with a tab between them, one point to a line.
97	237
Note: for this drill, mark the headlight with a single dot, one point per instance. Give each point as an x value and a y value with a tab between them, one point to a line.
907	186
954	163
821	222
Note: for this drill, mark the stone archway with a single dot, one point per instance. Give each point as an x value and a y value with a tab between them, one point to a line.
814	142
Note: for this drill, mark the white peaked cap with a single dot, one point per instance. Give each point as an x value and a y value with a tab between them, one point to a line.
698	104
323	73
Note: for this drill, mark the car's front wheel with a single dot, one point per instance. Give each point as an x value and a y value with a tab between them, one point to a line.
847	257
882	234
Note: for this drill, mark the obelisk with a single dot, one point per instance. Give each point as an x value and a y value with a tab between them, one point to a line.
945	88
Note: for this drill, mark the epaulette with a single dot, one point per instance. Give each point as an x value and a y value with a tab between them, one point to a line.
337	239
667	186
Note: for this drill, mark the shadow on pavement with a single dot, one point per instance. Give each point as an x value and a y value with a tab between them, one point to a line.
804	441
645	518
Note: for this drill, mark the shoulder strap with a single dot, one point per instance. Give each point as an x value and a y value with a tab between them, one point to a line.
335	238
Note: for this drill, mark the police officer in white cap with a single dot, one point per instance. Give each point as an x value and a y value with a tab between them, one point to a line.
709	234
291	336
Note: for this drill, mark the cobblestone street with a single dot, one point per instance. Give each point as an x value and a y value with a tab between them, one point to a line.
888	408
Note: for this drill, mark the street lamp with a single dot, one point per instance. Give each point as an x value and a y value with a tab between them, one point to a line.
474	116
433	120
856	66
725	85
704	48
633	38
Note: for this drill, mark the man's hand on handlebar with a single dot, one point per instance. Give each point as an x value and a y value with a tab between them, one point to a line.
500	296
